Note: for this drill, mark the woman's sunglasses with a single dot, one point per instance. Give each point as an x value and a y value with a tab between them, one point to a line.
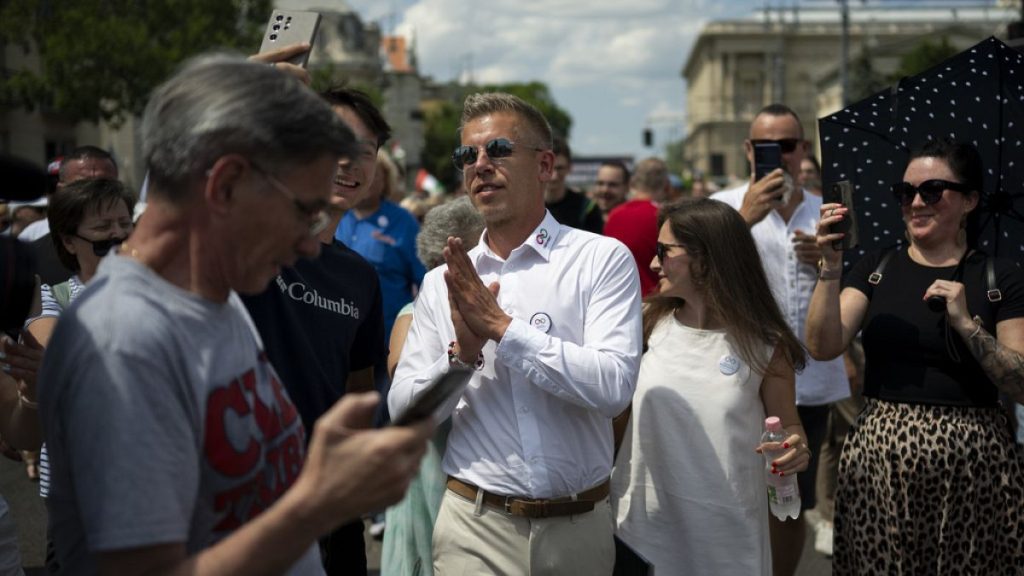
498	148
102	247
662	250
930	191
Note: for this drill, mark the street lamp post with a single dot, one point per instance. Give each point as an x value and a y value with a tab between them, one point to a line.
844	74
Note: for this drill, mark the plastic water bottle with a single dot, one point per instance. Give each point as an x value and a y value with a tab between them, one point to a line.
783	492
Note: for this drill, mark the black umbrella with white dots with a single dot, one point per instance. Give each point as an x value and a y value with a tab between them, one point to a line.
976	96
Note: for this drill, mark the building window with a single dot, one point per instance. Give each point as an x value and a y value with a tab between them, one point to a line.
718	164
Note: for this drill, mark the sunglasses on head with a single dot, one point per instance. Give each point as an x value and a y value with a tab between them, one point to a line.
662	249
930	191
102	247
464	156
786	145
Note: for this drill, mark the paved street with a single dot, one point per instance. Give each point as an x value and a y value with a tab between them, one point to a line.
29	514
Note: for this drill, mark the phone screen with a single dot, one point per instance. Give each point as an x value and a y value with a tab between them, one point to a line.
767	157
439	391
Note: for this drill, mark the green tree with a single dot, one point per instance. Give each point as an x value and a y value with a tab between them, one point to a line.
674	157
100	59
538	94
864	79
923	56
441	121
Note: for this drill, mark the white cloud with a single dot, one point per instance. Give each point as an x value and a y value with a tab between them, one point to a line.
610	64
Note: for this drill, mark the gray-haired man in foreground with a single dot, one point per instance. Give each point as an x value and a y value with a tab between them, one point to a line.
175	449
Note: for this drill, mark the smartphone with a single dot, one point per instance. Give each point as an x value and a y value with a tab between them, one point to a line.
842	193
438	392
288	27
767	157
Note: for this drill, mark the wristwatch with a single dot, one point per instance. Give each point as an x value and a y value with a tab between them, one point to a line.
824	274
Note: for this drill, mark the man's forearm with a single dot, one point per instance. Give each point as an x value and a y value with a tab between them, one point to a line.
268	545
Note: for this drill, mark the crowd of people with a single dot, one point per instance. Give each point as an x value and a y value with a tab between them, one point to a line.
221	368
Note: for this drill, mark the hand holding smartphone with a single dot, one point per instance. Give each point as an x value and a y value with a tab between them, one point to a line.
767	157
287	28
842	193
439	392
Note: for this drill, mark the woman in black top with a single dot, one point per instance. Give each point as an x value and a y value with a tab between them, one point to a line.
930	481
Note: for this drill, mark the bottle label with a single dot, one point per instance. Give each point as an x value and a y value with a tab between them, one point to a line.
782	494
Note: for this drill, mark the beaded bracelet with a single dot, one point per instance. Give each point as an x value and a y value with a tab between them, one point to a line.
26	402
977	326
454	360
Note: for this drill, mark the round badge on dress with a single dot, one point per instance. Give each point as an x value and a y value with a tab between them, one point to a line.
382	221
728	364
541	321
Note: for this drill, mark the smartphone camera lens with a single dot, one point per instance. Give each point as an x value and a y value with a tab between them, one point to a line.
279	18
276	27
273	37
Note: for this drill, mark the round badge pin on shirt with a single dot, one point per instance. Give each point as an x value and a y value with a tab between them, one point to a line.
728	364
541	321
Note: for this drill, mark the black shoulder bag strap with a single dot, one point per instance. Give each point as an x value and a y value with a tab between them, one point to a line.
992	293
876	276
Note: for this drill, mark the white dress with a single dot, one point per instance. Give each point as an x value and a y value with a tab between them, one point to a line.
688	489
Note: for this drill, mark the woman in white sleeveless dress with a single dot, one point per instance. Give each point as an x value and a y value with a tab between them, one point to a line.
688	487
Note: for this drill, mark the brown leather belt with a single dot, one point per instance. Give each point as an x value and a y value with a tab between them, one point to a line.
531	508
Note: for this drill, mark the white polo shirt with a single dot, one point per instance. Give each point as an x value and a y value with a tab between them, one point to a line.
536	420
792	283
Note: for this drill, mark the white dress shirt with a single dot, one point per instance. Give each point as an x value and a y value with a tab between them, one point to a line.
536	420
792	282
35	230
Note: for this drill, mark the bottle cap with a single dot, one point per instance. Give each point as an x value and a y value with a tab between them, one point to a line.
773	424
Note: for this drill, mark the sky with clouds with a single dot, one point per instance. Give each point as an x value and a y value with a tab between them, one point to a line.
615	66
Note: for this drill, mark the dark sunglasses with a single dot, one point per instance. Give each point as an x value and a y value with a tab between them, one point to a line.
662	249
930	191
498	148
102	247
786	145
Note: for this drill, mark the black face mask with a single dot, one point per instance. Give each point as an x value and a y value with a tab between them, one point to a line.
102	247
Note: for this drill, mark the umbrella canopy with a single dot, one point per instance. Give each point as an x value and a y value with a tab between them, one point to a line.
976	96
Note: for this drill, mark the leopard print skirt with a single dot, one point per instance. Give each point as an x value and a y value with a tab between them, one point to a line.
929	490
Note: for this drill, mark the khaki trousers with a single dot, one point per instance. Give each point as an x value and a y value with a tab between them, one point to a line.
492	542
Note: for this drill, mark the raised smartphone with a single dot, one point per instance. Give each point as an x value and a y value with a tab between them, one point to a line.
842	193
448	385
287	27
767	157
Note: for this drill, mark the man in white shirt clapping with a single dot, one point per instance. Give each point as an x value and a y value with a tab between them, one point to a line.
549	317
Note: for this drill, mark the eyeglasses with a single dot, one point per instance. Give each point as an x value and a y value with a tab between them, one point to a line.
930	191
316	214
786	145
102	247
464	156
662	249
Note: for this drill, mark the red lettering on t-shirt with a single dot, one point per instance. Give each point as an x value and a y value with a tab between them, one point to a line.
274	439
288	411
266	416
220	452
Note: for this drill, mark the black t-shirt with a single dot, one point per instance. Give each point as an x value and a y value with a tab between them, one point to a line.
321	320
48	265
905	343
578	211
